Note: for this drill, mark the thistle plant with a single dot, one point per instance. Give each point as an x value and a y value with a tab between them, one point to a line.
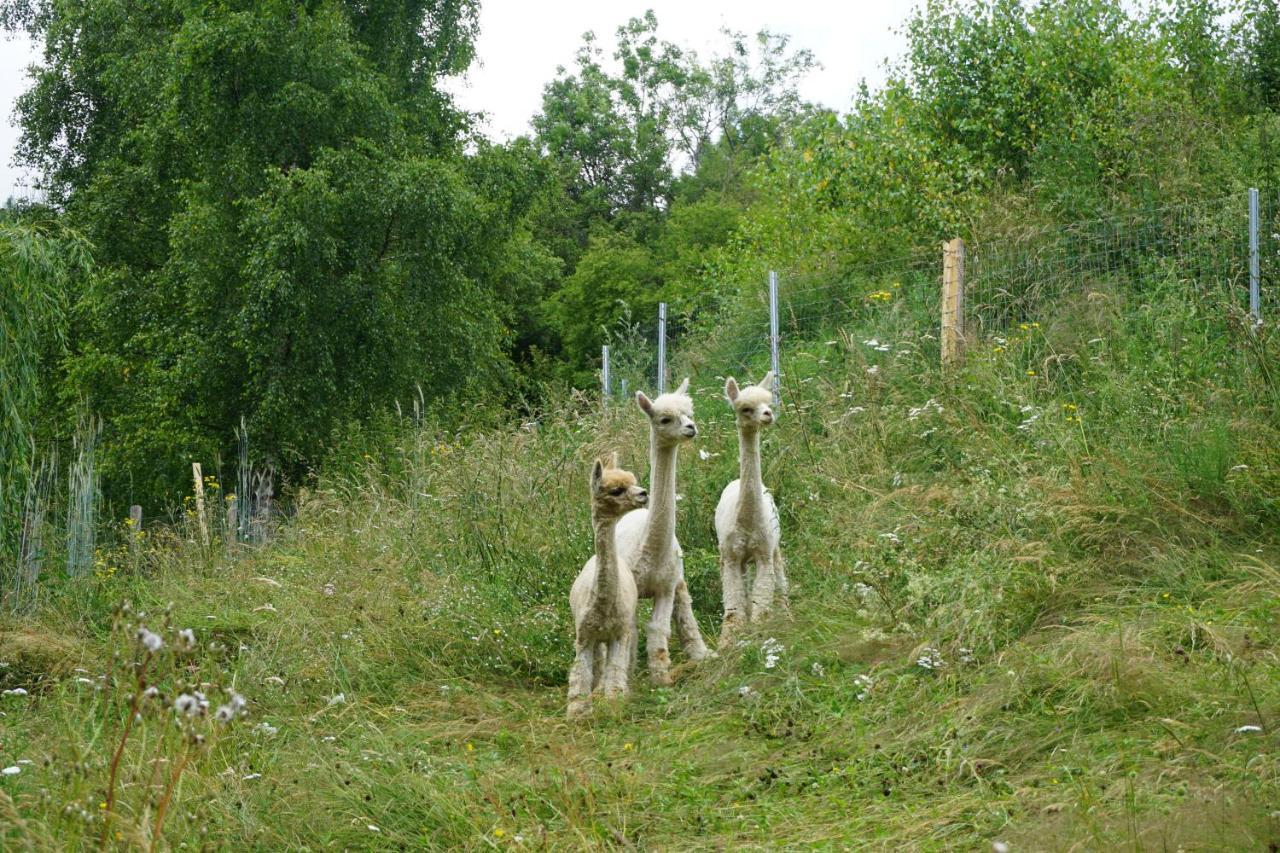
154	680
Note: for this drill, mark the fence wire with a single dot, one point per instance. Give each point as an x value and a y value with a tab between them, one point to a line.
1013	279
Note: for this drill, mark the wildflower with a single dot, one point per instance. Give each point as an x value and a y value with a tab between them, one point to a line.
186	640
892	537
1068	407
704	455
266	729
744	691
149	640
966	655
873	370
627	747
337	699
863	684
187	705
499	832
151	692
251	776
329	589
471	747
930	659
1246	729
818	669
12	770
772	652
1031	373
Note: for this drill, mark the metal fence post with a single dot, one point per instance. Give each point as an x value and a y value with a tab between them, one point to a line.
622	384
604	375
662	347
773	333
1255	277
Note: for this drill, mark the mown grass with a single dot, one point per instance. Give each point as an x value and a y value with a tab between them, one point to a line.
1082	526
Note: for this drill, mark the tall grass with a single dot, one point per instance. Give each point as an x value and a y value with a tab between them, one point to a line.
1035	601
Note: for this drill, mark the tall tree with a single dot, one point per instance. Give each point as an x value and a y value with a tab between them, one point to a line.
286	224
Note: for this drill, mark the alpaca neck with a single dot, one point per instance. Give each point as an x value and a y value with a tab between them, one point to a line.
661	529
606	589
750	487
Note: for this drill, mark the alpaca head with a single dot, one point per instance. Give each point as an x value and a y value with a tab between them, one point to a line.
614	492
670	416
753	404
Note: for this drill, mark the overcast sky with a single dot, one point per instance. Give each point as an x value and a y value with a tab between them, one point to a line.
522	42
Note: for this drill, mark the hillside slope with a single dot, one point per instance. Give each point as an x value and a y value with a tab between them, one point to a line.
1035	601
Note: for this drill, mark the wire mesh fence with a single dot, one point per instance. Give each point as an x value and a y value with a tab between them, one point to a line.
1226	247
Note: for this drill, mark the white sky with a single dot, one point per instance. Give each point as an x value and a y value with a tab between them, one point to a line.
521	43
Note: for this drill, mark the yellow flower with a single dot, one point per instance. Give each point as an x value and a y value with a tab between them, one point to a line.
998	349
627	747
1031	373
1070	407
498	832
1023	326
471	747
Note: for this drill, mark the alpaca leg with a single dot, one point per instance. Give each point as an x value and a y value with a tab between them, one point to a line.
732	581
687	625
580	681
616	665
597	668
656	640
780	581
762	589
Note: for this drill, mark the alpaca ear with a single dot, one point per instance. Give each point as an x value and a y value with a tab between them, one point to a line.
731	389
684	386
597	474
645	404
767	382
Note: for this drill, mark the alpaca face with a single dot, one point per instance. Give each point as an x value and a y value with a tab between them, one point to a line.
670	416
614	492
753	405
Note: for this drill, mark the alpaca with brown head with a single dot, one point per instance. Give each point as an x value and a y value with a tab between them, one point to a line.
747	526
603	598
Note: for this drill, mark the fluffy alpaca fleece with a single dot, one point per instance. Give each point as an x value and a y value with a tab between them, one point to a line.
647	537
747	525
603	598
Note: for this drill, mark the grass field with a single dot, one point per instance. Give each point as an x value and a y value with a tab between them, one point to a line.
1035	601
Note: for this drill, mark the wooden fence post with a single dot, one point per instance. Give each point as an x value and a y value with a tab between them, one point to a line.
952	302
198	474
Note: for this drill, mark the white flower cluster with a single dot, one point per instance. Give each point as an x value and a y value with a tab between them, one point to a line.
930	405
191	704
930	659
818	669
772	650
228	712
966	655
876	345
150	640
1032	415
863	684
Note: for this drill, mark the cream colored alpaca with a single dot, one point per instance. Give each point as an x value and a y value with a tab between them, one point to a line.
603	598
747	525
647	537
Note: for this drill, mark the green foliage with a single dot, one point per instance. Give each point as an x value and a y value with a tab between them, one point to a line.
38	263
286	224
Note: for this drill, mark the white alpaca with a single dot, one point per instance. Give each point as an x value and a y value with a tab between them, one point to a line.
747	525
603	598
647	537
